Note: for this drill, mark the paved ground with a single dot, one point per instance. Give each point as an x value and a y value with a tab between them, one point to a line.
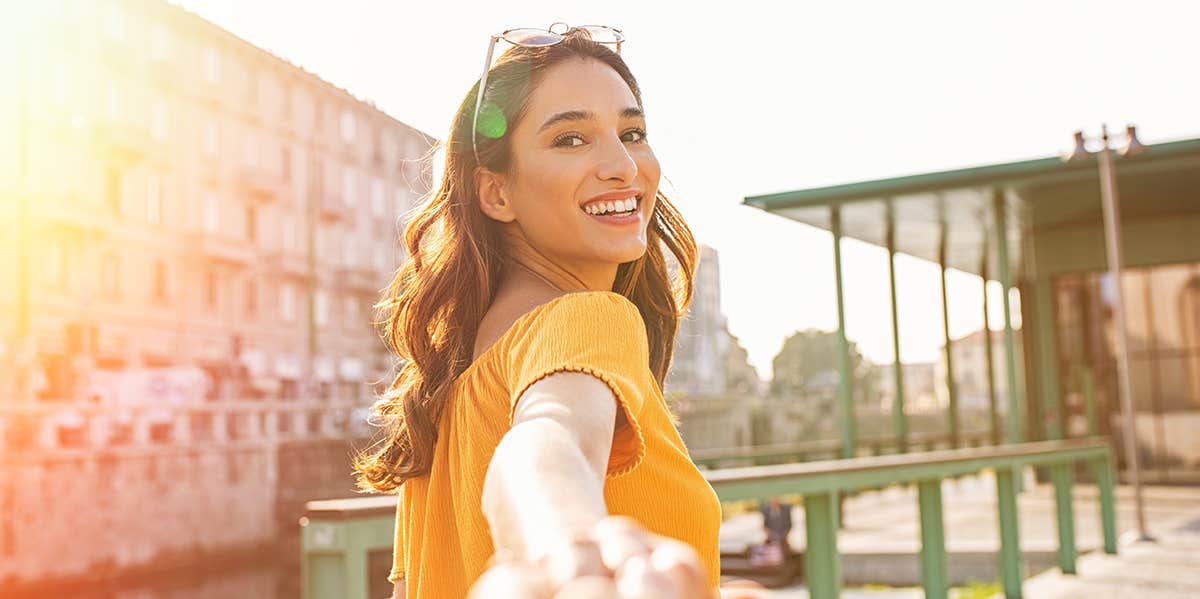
881	540
1168	568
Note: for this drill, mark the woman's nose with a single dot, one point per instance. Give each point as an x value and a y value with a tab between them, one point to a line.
616	163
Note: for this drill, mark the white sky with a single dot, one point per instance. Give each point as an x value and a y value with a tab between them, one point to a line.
755	97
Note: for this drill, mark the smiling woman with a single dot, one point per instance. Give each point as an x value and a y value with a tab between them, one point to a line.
527	435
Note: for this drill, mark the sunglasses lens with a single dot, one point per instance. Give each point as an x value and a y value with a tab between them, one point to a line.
532	37
602	34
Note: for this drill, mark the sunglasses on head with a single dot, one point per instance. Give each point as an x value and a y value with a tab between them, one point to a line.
532	37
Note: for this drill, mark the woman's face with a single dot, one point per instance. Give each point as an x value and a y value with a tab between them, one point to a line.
581	146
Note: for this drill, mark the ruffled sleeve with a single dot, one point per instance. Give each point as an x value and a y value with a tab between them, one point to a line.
600	333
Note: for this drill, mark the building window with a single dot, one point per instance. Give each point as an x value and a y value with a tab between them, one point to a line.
251	223
350	251
160	282
116	101
399	201
251	149
351	310
55	267
210	289
348	190
321	307
287	302
212	65
209	137
160	42
285	163
251	298
112	188
377	196
115	22
212	212
381	258
158	120
347	126
110	275
154	200
290	234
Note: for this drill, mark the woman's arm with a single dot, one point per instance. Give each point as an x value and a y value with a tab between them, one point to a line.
545	482
398	591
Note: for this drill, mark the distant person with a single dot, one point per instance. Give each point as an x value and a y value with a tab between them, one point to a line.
527	434
777	520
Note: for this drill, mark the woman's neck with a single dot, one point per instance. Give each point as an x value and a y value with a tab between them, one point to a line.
527	263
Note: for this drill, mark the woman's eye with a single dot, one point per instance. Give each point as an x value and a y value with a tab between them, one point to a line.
641	135
636	136
562	140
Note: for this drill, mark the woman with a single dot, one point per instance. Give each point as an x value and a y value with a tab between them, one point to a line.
527	432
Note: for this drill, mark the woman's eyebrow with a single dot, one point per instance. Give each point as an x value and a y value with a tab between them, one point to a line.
583	115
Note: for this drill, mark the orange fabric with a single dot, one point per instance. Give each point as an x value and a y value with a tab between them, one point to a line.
442	539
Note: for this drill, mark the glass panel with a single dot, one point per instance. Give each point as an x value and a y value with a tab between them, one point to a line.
1142	384
1177	385
1168	287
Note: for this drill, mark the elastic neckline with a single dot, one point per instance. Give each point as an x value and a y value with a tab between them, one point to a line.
529	314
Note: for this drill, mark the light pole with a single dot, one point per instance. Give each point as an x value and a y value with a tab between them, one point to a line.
1112	245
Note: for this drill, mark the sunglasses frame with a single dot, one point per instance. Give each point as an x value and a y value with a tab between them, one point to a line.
504	35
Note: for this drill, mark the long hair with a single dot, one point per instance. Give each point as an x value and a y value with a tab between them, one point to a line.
430	312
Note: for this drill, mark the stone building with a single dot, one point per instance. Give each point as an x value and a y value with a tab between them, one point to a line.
711	383
179	198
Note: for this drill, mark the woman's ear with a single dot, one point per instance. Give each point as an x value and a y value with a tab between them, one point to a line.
493	200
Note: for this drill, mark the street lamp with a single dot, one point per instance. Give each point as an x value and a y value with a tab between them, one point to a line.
1112	245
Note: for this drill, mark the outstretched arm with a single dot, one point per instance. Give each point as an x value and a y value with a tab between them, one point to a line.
545	482
544	489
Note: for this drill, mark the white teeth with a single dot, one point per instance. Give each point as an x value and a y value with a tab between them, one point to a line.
614	206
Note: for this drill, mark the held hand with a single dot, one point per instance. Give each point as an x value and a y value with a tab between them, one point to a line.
616	559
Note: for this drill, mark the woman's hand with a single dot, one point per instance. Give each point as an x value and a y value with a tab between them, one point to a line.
615	559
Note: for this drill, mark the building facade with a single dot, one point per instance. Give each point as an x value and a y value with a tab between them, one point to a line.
711	382
178	198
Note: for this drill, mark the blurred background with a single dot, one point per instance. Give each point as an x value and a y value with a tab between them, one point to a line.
200	201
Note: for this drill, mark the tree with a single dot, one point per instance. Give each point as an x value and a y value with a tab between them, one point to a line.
808	364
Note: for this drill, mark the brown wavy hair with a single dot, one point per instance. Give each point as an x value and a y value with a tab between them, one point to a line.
432	308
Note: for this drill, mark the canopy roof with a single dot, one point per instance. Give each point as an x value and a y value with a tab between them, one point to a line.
962	199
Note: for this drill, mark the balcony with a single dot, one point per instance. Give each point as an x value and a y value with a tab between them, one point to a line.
286	263
331	206
360	279
260	184
224	249
126	143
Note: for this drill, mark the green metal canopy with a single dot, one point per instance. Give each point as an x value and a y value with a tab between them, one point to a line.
962	199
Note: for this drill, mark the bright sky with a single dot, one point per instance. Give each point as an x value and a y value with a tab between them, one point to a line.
757	97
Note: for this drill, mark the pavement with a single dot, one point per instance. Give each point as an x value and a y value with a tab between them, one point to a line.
880	544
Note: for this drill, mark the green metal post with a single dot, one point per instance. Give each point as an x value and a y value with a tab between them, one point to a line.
1043	335
1062	475
822	562
1010	544
951	387
1010	359
934	573
845	388
899	419
1103	475
993	410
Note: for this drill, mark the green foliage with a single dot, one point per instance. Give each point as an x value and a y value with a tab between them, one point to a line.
807	365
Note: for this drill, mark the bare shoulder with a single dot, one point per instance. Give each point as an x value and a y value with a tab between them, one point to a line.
508	306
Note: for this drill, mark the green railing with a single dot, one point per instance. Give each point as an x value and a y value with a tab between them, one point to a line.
820	483
831	449
339	535
336	539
